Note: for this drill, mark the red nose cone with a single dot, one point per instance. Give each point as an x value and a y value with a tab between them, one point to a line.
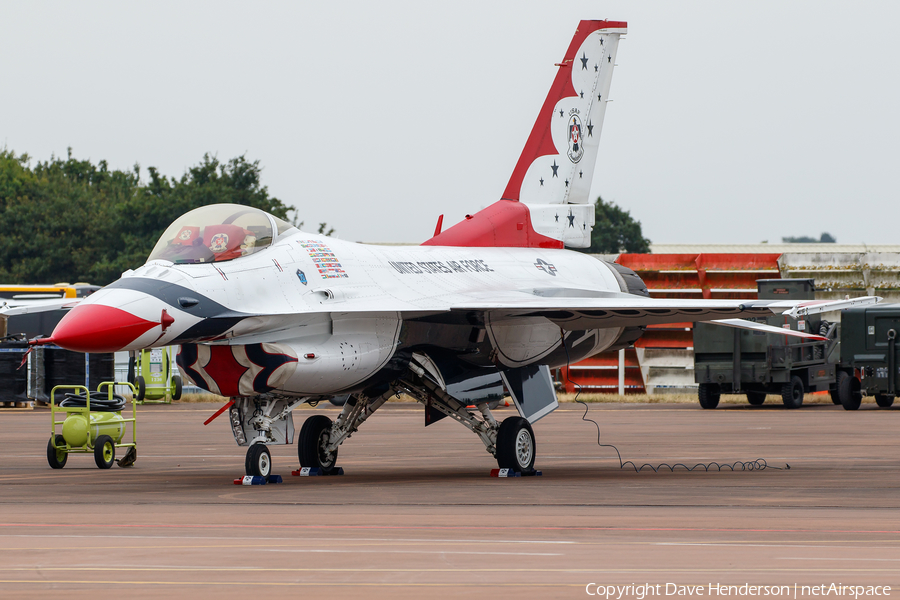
98	328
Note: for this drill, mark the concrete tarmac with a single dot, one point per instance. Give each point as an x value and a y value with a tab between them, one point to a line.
417	514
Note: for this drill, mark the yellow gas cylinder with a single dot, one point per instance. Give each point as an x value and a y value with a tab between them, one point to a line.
75	427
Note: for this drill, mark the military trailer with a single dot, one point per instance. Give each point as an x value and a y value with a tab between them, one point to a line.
869	351
756	363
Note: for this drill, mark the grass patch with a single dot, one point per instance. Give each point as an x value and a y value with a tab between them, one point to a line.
683	398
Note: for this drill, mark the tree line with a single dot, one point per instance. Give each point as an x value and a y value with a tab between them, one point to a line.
68	220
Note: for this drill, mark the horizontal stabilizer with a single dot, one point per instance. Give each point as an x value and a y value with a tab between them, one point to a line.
750	325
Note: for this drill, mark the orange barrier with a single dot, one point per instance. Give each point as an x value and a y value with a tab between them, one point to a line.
671	276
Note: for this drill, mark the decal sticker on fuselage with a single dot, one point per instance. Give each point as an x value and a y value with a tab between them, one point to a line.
546	267
437	266
326	262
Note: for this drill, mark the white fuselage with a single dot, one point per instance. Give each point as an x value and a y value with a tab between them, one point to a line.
337	307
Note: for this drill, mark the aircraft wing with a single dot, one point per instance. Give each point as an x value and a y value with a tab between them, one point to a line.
593	310
11	308
633	311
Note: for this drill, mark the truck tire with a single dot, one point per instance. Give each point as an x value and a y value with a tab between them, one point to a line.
756	398
792	393
848	390
835	394
883	400
709	394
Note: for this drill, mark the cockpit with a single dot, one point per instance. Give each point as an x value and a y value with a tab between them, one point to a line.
216	233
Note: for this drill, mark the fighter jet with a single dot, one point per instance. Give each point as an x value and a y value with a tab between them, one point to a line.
273	317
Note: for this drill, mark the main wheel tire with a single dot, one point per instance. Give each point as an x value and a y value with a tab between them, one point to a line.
141	387
835	393
104	452
792	393
709	394
516	448
178	386
258	462
313	436
57	458
883	400
756	398
849	391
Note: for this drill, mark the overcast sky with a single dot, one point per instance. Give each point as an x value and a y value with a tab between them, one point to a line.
729	122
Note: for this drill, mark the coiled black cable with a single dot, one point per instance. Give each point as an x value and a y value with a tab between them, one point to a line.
759	464
100	403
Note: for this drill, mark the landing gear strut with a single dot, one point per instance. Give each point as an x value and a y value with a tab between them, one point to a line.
320	439
512	443
258	421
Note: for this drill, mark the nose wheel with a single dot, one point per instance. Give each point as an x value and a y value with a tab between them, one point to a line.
259	461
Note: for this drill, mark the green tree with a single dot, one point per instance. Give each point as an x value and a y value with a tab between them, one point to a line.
615	231
71	220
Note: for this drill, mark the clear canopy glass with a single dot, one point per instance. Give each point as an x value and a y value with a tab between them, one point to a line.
217	233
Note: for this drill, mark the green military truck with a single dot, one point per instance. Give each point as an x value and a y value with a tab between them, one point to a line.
869	355
756	363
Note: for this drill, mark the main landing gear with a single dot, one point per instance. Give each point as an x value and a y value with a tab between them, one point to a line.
259	421
511	442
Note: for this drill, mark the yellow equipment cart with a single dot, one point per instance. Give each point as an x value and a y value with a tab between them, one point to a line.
91	426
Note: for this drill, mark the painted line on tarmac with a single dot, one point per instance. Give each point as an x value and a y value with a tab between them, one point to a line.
840	558
306	539
786	545
499	569
438	528
93	582
336	551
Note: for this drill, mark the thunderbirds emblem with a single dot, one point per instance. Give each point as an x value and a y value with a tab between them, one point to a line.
576	150
219	242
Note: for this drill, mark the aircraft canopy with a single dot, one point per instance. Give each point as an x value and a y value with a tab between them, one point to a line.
216	233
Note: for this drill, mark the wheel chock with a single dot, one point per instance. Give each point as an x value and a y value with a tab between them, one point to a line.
314	471
258	480
128	459
514	473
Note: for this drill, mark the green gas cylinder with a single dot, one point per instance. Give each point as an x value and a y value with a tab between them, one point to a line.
75	427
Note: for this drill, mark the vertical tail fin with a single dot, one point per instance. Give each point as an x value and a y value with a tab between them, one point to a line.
546	201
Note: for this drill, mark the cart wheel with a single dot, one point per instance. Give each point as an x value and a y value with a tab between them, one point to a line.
883	400
141	387
709	394
258	462
176	395
756	398
104	452
57	458
792	393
